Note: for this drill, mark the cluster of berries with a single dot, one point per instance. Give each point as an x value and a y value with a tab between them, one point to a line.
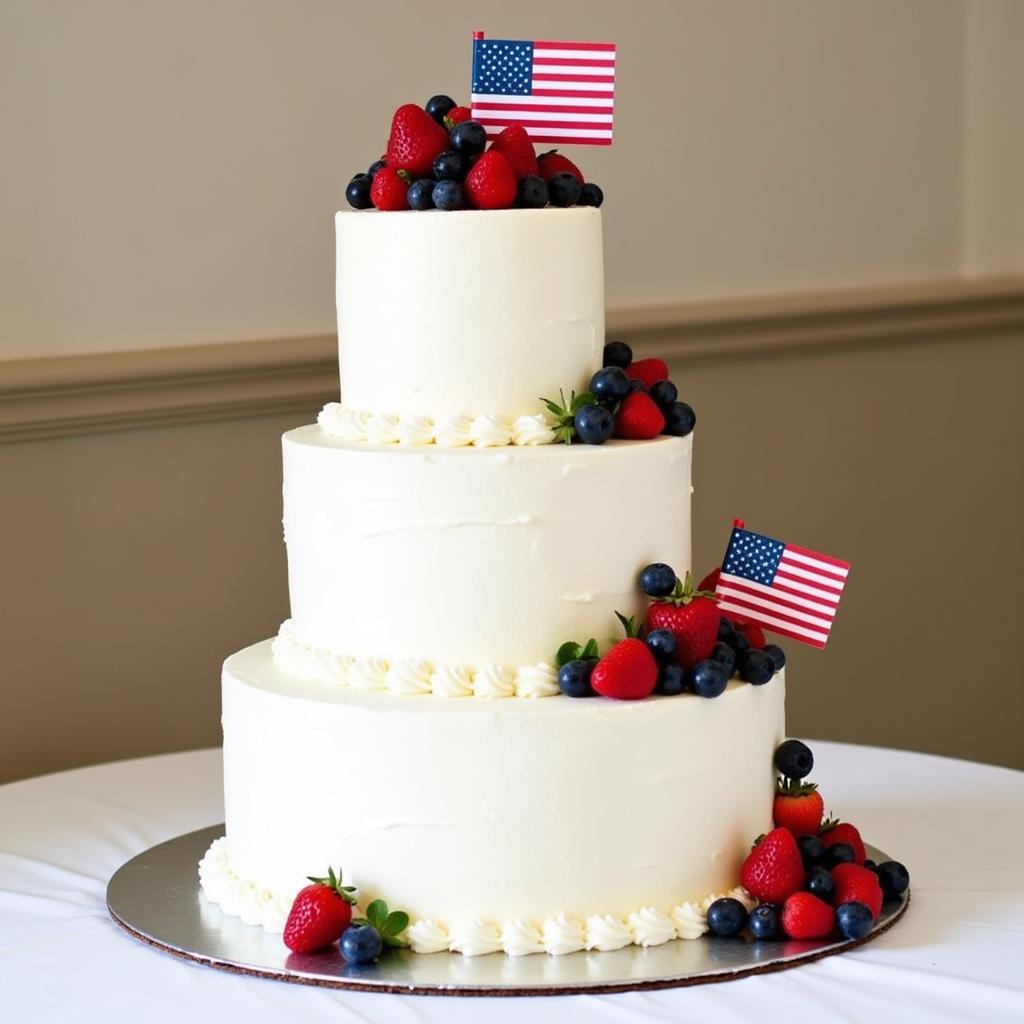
626	399
436	159
811	878
321	915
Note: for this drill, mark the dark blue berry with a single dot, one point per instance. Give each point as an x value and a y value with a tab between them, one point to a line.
563	188
838	853
756	667
727	917
853	920
574	677
777	654
450	166
438	106
726	631
358	192
764	921
448	195
794	759
617	353
361	943
421	194
812	850
469	138
870	865
637	385
594	424
680	420
893	877
671	679
375	167
657	579
611	383
532	193
662	643
820	882
725	656
590	195
708	679
739	643
664	393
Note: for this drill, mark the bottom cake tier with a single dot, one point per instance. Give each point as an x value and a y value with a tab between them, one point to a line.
521	825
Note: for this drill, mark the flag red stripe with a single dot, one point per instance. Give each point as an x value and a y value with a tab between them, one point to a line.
820	644
826	585
817	554
573	62
580	94
546	108
752	611
545	44
806	634
601	79
825	575
796	592
731	585
602	126
574	141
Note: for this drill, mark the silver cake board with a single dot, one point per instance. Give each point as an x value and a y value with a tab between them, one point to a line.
156	898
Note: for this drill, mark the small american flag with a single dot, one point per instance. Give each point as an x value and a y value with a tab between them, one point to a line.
558	91
786	589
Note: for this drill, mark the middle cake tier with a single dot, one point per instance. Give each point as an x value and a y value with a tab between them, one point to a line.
473	558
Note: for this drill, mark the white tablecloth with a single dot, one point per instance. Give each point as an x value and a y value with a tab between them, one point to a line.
957	955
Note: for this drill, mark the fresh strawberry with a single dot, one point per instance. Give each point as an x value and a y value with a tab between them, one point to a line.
550	163
834	831
456	116
638	418
515	146
692	617
752	631
389	189
710	582
858	884
491	185
319	914
804	916
628	671
773	868
416	138
798	806
648	370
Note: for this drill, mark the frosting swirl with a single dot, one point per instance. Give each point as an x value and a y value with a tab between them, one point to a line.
453	431
475	938
382	428
495	681
348	424
409	677
368	674
539	680
415	429
520	938
451	681
651	927
531	430
605	933
427	936
690	921
563	934
490	432
237	897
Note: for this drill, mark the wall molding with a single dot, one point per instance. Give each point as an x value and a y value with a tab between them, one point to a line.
69	395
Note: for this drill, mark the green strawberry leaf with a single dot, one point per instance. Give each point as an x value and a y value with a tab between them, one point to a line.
377	912
630	625
394	924
579	401
590	650
569	651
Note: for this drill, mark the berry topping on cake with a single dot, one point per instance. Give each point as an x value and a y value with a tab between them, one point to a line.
764	921
361	944
756	667
450	166
893	877
664	393
804	916
438	107
490	184
650	371
680	420
820	882
638	418
590	195
853	920
390	188
836	854
532	193
662	644
468	138
421	194
812	850
727	917
552	163
671	678
658	580
415	139
752	631
617	353
692	616
514	145
389	926
563	189
834	831
574	677
457	115
798	806
357	192
581	416
793	759
725	656
853	882
777	654
448	195
319	914
375	167
708	678
773	868
610	384
628	671
594	424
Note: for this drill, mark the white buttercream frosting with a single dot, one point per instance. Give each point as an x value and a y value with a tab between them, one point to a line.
238	897
368	674
453	430
495	681
690	920
409	677
605	933
520	938
475	938
651	927
382	428
532	430
428	937
451	681
537	681
563	934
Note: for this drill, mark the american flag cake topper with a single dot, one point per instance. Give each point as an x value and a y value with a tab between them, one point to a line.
558	91
783	588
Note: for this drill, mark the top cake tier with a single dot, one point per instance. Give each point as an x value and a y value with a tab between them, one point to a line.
474	312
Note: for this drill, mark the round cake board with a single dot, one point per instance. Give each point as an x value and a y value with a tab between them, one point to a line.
156	898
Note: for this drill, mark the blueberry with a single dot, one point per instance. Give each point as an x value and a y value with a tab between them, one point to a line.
421	194
671	679
617	353
739	643
438	106
708	679
664	393
893	878
450	166
662	643
838	853
590	195
611	383
725	656
794	759
375	167
574	677
680	420
361	943
563	188
727	917
853	920
756	667
777	654
812	850
358	192
764	921
870	865
637	385
657	579
820	882
532	193
469	138
448	195
594	423
726	631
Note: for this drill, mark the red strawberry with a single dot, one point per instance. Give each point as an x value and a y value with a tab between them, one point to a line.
491	185
456	116
833	831
692	617
853	882
648	370
773	868
798	806
389	189
319	914
552	162
753	632
627	672
416	138
804	916
710	582
639	418
515	146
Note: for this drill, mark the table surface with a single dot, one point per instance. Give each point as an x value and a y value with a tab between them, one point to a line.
957	955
